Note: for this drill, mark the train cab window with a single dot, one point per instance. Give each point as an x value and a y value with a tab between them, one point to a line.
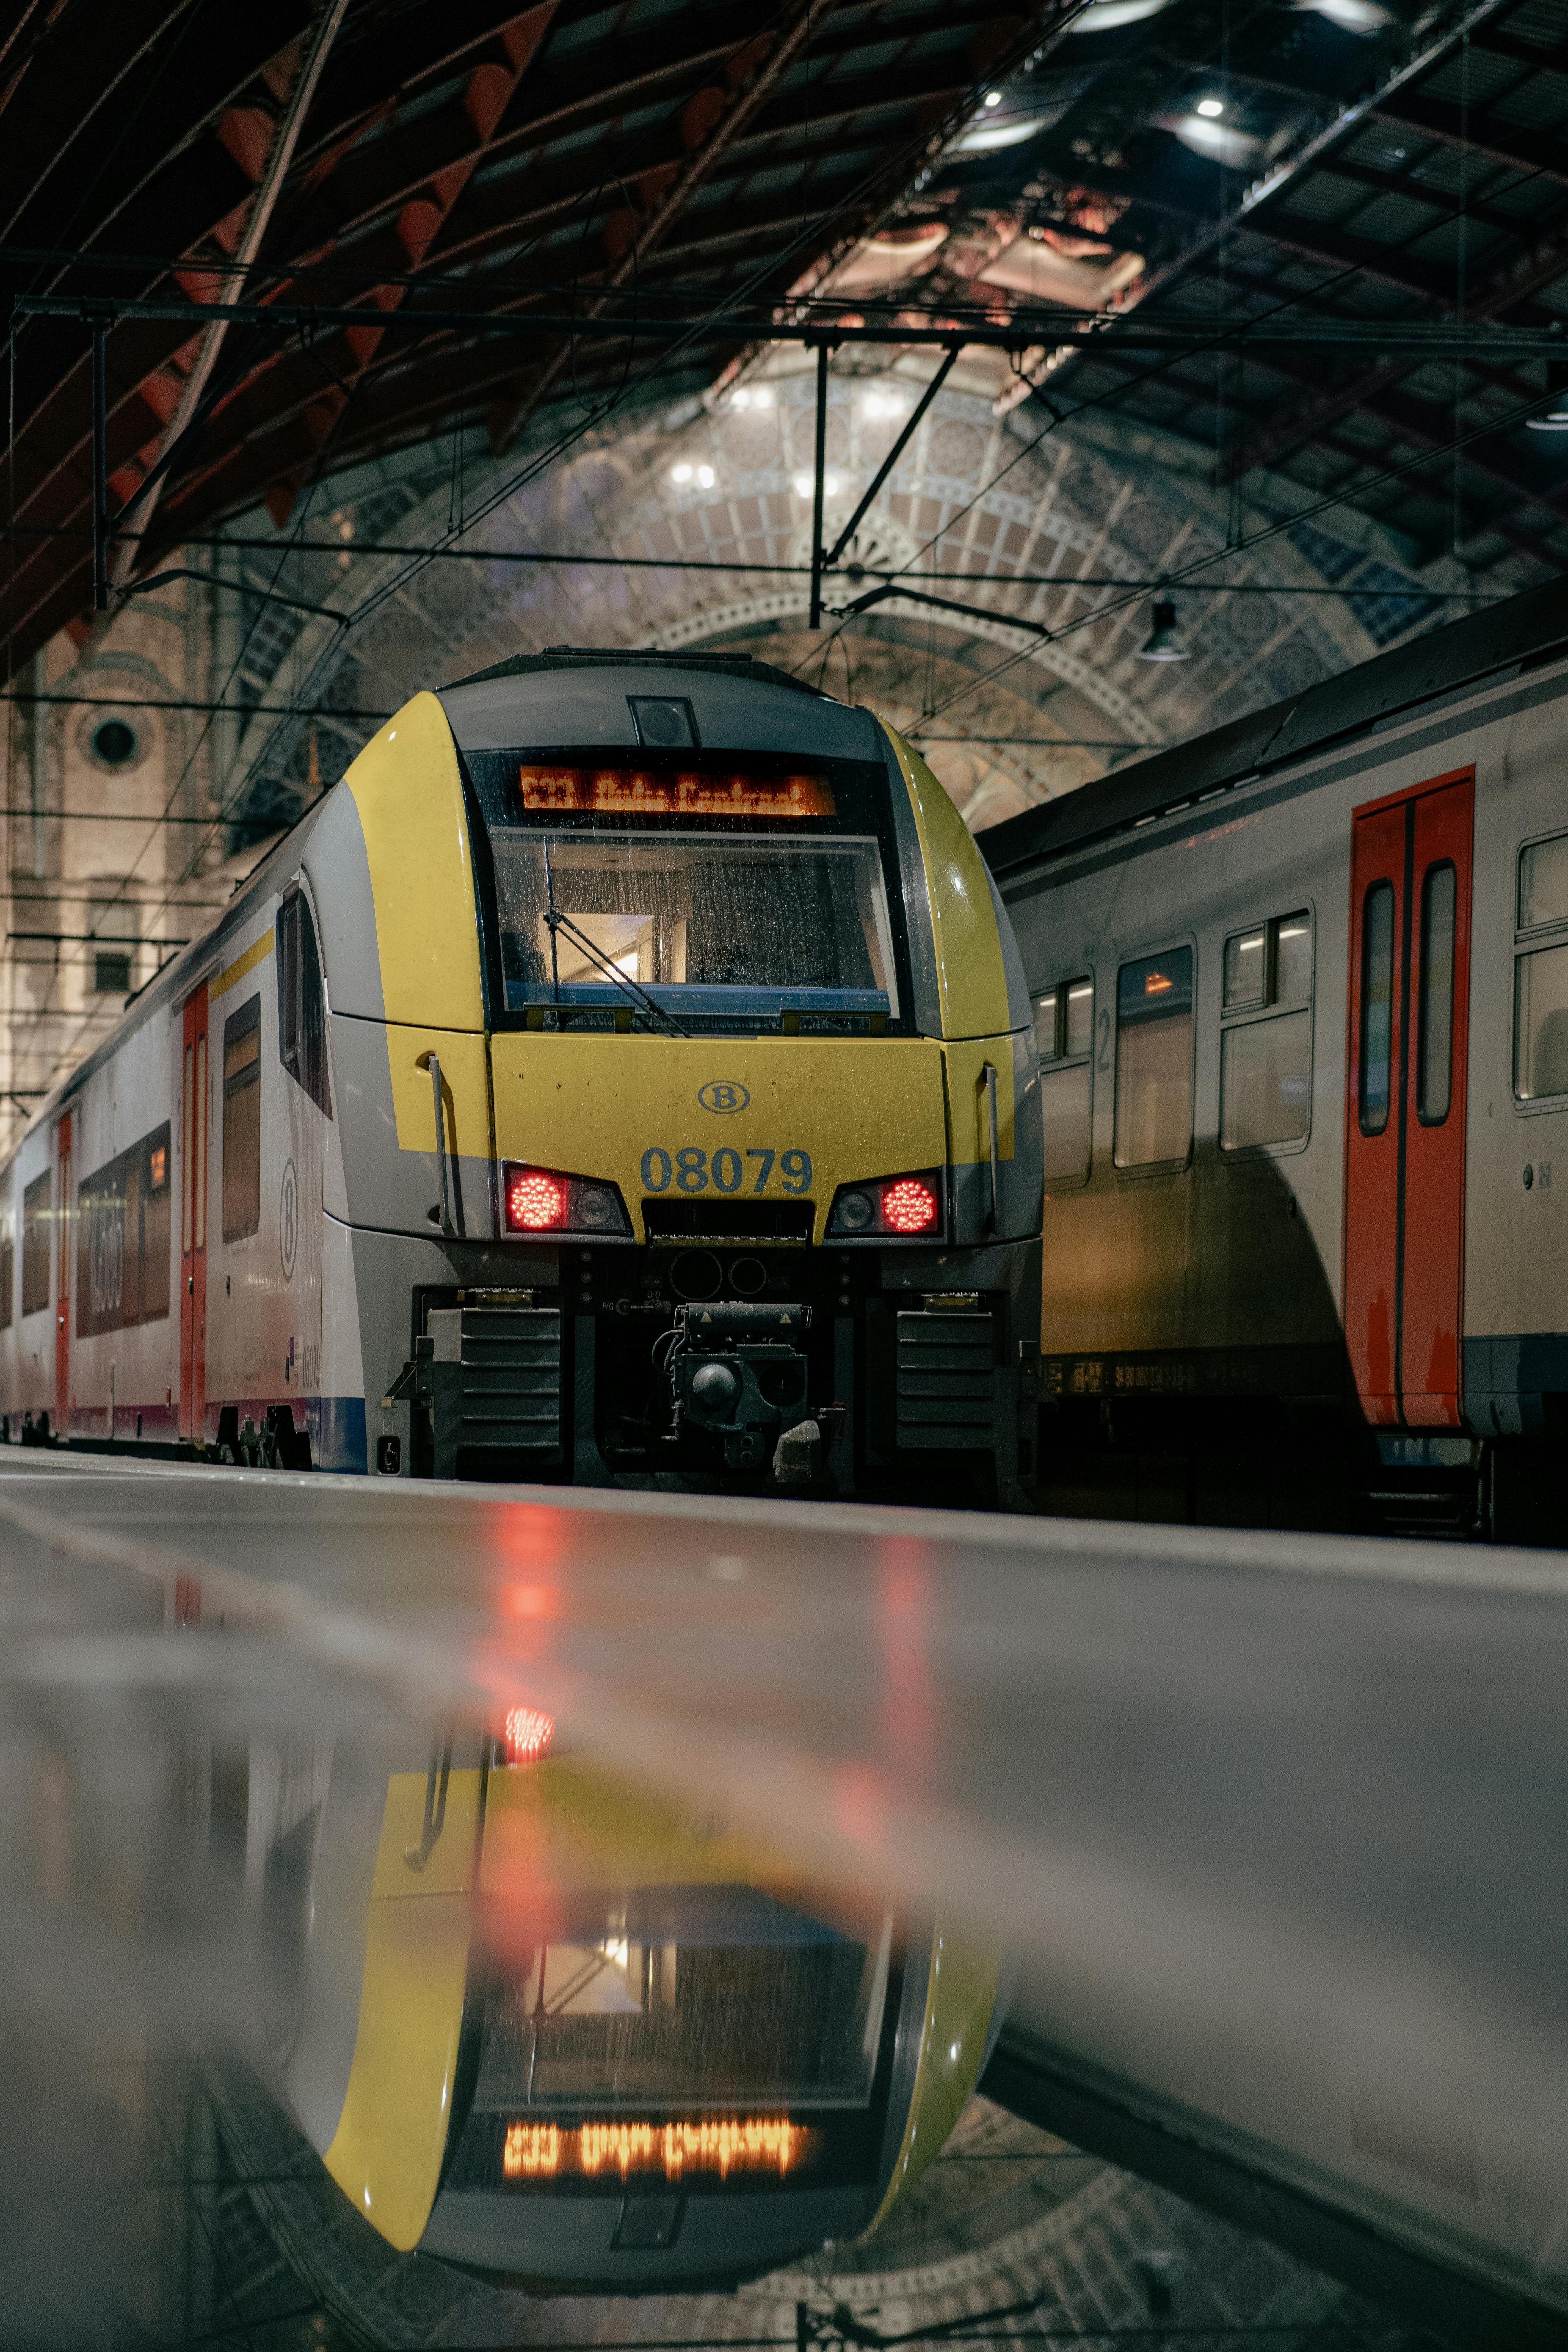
1376	1007
7	1265
734	892
1155	1060
301	1010
1064	1032
242	1122
1541	973
1265	1035
36	1244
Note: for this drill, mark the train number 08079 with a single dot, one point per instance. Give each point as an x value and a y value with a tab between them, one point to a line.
690	1169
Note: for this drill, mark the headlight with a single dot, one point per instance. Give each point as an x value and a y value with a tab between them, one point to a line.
894	1208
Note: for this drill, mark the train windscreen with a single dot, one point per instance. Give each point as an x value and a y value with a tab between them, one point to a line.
799	918
727	890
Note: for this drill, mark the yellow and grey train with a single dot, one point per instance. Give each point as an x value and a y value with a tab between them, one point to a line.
541	2024
624	1074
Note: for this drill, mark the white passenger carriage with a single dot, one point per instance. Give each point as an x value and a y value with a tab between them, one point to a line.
1301	997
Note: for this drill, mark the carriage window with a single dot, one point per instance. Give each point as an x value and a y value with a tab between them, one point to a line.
242	1122
36	1244
1435	1073
1155	1059
1064	1032
1245	958
7	1265
301	1011
1265	1041
1541	1024
1544	883
1376	1006
1541	977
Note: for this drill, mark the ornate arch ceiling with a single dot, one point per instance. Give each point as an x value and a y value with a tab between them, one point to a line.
1364	163
590	553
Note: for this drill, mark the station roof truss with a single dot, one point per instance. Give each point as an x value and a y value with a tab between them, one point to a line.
646	190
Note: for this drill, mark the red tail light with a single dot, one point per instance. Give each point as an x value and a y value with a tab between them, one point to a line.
535	1200
906	1208
553	1200
909	1206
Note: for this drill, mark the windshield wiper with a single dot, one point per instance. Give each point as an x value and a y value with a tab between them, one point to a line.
612	971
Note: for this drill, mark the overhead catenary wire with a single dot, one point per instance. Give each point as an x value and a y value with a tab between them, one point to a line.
1124	334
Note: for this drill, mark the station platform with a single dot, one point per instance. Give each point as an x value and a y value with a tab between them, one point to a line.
1270	1827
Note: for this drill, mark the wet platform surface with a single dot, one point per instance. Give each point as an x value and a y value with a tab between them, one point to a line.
1273	1825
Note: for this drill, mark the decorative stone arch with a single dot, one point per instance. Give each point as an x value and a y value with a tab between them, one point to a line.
1015	511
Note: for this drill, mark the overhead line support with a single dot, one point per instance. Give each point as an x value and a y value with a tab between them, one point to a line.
819	483
100	469
891	459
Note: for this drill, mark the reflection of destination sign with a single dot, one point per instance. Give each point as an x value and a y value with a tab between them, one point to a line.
725	2145
631	792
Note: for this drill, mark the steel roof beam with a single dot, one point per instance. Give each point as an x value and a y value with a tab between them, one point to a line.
1521	277
371	180
1498	142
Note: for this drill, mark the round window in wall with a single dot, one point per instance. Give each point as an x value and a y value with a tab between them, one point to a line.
115	743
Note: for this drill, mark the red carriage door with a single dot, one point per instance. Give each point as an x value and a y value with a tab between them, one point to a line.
1404	1127
193	1220
63	1199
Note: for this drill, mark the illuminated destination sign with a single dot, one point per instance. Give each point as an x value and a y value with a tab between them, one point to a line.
726	2145
631	792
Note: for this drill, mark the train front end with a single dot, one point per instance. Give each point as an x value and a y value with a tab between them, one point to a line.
712	1074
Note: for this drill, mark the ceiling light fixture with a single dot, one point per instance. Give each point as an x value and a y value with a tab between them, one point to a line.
993	98
1212	108
1162	643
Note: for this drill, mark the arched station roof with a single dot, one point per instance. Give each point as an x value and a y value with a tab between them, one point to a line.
674	176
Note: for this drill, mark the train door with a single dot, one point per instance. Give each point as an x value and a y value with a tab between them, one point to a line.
1405	1128
194	1219
63	1273
306	1106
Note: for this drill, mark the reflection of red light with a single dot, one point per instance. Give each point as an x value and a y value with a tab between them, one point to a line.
534	1199
1155	983
908	1206
528	1732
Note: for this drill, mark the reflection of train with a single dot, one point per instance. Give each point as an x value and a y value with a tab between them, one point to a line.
541	2024
1301	991
627	1066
